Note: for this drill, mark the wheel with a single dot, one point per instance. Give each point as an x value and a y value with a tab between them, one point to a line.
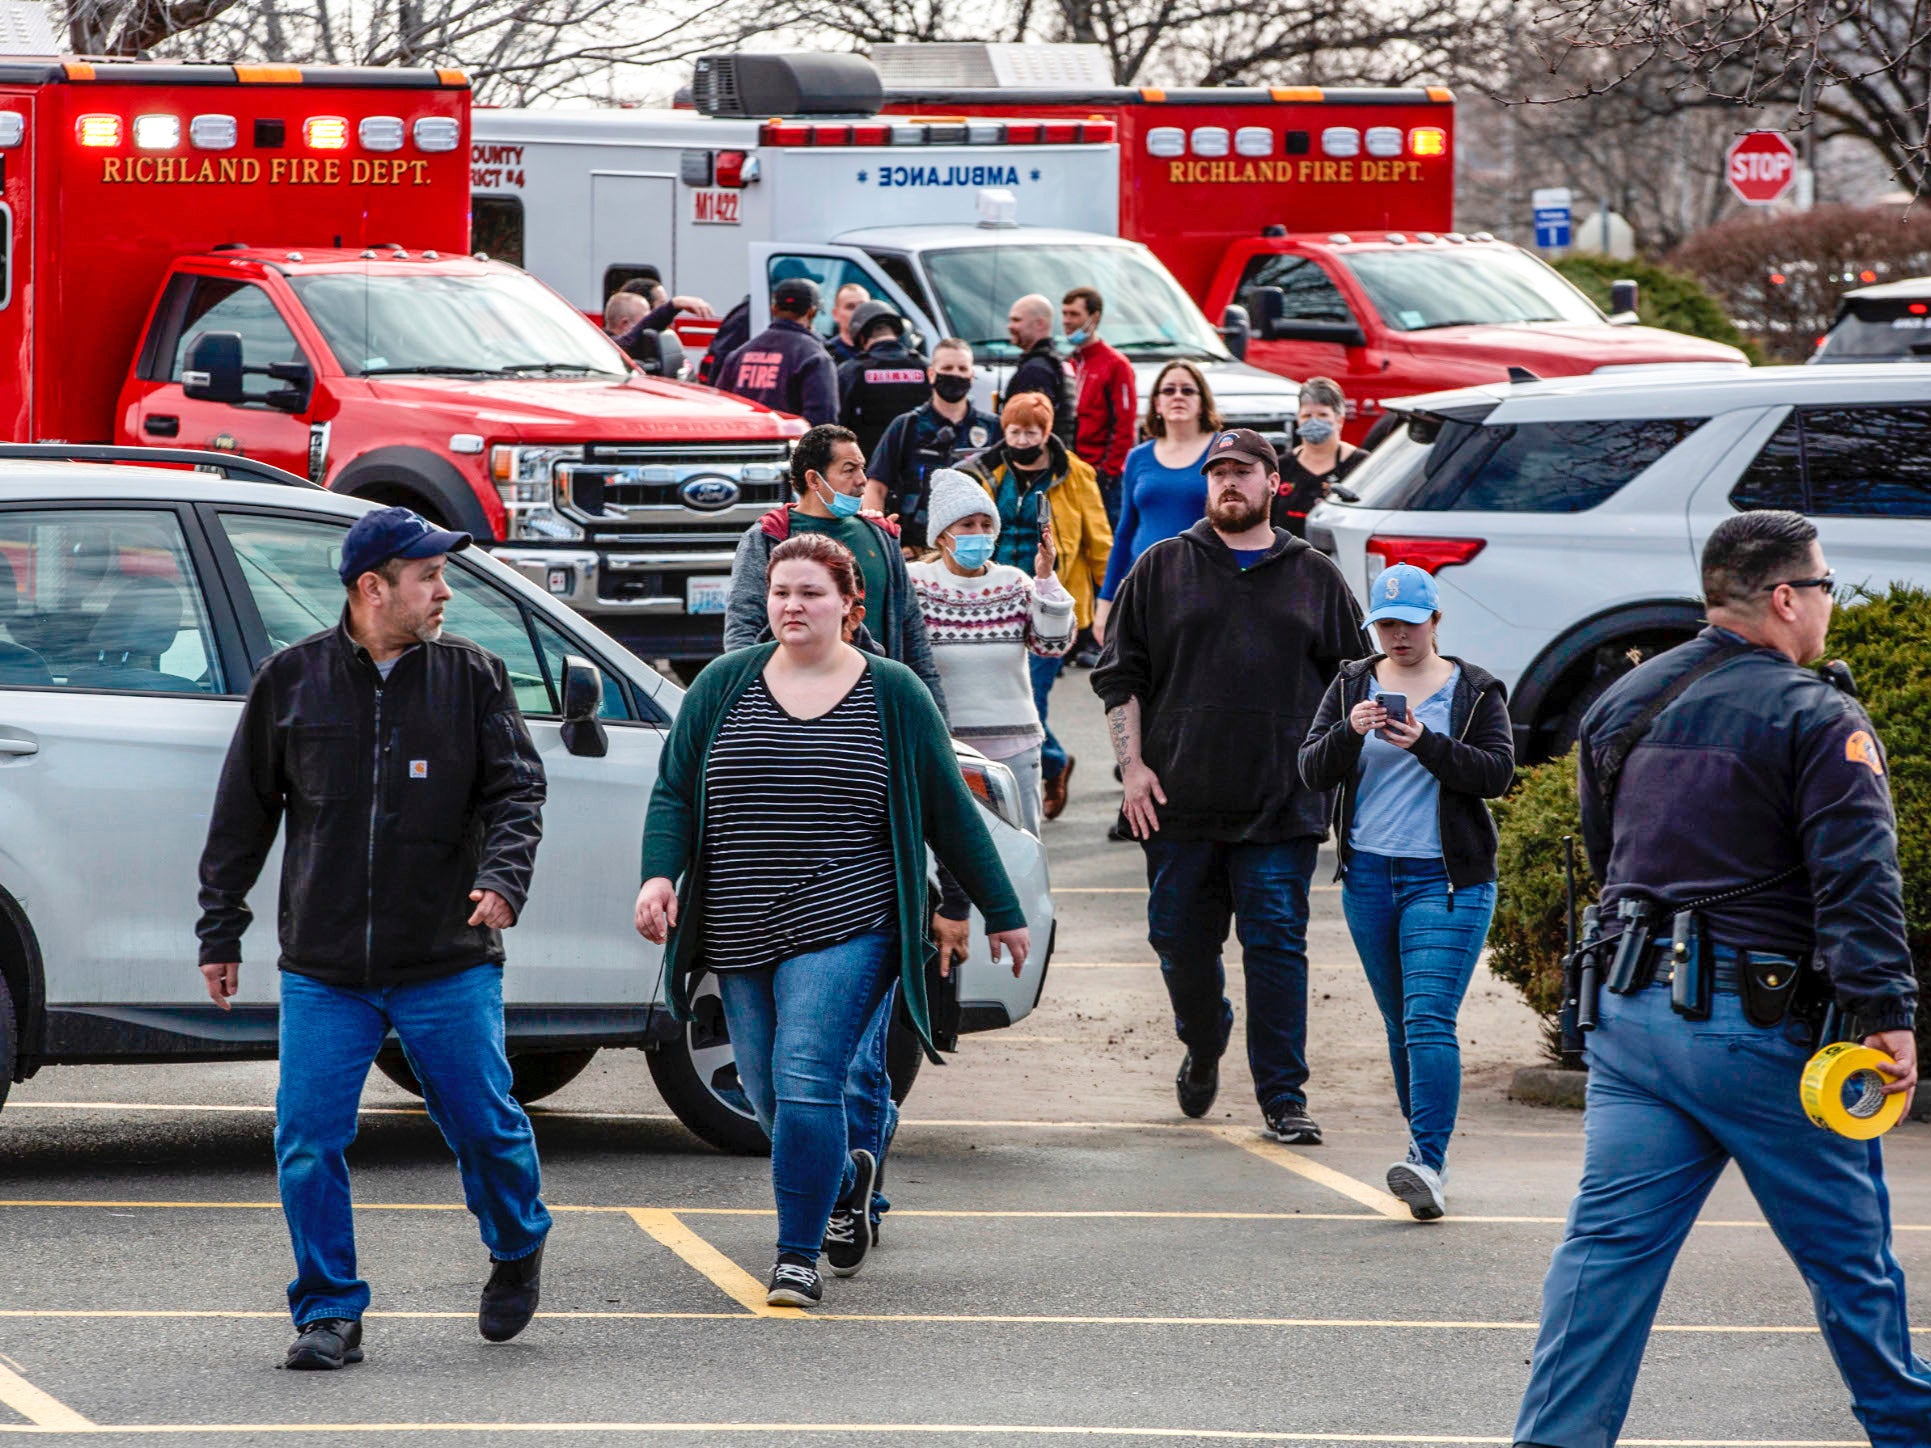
1612	662
533	1074
9	1040
697	1074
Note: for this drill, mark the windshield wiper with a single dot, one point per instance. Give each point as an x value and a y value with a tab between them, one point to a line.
429	370
579	369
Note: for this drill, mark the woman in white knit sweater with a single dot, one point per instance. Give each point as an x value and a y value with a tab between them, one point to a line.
982	619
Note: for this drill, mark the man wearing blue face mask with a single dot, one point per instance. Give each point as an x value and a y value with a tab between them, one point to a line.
1319	459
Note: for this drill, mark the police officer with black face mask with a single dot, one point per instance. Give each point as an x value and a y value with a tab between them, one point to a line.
884	381
918	443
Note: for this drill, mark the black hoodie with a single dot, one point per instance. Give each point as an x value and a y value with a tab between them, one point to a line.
1229	666
1474	762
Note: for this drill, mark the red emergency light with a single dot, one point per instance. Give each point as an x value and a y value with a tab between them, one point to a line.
1428	141
1918	309
927	131
326	133
98	130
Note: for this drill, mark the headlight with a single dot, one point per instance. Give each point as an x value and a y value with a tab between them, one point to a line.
994	787
525	480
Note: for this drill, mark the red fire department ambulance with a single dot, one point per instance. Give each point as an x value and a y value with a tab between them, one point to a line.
1325	214
274	261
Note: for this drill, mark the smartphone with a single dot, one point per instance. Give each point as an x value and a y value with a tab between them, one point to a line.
1396	705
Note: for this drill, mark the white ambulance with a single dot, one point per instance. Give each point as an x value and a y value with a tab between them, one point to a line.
950	220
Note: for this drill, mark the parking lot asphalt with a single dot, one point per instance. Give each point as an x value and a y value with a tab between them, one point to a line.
1067	1257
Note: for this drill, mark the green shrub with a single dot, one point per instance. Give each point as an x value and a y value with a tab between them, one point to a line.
1886	640
1665	297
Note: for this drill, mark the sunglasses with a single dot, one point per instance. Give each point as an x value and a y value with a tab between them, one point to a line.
1828	583
1179	392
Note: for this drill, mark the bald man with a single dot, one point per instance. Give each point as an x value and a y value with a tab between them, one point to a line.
623	311
1031	324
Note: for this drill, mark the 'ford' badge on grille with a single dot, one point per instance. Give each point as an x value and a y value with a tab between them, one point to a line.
708	494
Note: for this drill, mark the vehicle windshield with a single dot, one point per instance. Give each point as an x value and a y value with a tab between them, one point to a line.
1462	286
499	324
1147	316
1871	330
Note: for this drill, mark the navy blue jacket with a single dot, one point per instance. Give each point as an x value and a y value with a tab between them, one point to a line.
879	386
1041	370
785	366
1758	767
916	445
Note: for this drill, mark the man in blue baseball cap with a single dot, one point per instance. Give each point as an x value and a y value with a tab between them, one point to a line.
413	797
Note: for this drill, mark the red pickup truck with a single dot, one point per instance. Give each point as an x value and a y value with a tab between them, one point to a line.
274	261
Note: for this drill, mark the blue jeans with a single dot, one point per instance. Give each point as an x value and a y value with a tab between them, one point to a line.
795	1028
871	1116
1194	889
1052	756
1670	1103
1418	941
451	1029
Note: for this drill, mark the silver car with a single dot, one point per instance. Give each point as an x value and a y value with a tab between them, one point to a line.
136	602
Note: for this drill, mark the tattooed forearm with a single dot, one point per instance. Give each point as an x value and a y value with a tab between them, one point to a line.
1123	727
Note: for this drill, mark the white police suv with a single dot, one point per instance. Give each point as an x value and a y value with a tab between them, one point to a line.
1563	519
136	601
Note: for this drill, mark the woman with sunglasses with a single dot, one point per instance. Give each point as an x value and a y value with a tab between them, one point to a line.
1162	493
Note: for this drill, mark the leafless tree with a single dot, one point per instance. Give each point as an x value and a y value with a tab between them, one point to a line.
1855	68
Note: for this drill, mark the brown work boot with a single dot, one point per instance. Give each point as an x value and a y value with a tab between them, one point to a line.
1052	801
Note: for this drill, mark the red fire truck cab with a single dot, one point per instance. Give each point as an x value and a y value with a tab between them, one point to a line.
1315	223
273	260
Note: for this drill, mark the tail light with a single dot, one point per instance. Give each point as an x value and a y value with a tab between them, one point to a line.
730	169
1430	555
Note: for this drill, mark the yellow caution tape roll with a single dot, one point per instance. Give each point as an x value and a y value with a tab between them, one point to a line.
1843	1092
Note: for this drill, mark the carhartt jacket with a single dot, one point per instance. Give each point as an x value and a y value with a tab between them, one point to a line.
400	798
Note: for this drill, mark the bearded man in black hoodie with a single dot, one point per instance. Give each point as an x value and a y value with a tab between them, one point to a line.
1219	648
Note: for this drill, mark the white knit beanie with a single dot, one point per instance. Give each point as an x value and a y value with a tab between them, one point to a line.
956	496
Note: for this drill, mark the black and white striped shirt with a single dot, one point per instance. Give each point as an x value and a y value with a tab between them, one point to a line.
797	834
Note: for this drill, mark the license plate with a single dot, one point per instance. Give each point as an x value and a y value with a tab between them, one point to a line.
707	595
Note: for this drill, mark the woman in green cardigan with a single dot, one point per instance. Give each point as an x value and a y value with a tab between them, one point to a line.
785	853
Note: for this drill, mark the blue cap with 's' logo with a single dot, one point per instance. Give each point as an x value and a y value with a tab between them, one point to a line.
1404	592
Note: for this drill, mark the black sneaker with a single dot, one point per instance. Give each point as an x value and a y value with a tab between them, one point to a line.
1292	1125
793	1284
509	1297
848	1235
325	1344
1196	1086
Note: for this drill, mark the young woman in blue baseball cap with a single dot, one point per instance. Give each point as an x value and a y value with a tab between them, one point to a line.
1414	742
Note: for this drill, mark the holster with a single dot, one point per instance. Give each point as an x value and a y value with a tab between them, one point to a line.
1632	967
1693	983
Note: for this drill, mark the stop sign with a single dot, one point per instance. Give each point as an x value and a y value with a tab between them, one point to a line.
1761	166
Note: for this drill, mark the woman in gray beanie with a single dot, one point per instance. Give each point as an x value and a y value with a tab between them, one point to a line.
983	619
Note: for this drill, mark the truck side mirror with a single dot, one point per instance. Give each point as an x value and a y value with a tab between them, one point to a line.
661	354
583	732
213	370
301	386
1266	306
1622	300
1236	330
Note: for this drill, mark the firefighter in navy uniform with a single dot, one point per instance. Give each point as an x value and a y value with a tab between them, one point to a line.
884	381
1735	804
918	443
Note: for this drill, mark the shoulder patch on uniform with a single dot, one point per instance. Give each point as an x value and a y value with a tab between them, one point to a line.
1860	748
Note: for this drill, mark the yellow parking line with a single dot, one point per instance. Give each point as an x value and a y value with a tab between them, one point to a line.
35	1406
1314	1171
724	1274
989	1430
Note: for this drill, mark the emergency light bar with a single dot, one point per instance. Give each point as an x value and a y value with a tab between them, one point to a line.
949	131
162	131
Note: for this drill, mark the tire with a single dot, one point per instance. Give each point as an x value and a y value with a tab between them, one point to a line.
697	1075
1612	662
9	1040
533	1074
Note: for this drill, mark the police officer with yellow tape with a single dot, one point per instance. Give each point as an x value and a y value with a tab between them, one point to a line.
1735	805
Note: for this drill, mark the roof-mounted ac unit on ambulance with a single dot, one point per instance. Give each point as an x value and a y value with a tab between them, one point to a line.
745	86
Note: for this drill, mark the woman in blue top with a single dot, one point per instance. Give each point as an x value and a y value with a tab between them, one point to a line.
1417	848
1162	493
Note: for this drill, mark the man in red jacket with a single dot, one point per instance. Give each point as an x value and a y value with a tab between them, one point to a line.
1107	395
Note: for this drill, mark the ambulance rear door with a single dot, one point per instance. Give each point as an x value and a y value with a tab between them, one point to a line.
16	267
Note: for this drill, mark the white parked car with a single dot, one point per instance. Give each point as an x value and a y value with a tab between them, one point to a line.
1890	322
135	605
1564	519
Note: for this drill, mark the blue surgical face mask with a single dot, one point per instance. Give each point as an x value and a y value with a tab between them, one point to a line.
972	550
842	505
1081	337
1316	430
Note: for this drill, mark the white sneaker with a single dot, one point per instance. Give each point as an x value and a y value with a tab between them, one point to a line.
1421	1187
